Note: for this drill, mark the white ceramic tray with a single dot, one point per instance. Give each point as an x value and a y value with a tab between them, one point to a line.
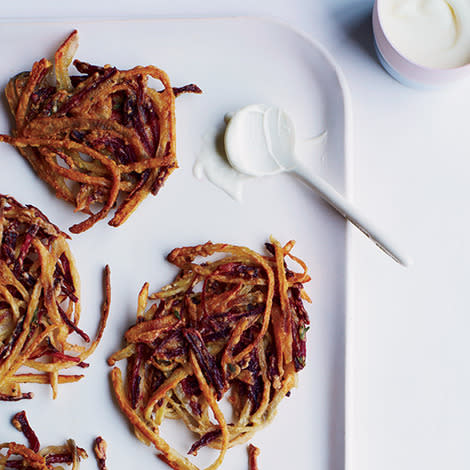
236	61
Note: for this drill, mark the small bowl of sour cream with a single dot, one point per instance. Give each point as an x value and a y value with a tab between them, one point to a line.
423	43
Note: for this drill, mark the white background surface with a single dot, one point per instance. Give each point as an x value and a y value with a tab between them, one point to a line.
264	56
410	379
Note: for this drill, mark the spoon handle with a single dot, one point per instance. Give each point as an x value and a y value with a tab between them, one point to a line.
349	212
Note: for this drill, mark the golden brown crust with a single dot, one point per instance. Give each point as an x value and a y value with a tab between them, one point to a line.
39	302
103	137
253	454
233	325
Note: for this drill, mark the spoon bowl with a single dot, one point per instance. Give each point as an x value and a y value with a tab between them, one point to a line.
259	140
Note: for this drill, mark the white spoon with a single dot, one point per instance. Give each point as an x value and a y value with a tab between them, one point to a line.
259	141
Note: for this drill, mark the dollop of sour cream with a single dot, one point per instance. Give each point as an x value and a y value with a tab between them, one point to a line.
430	33
259	140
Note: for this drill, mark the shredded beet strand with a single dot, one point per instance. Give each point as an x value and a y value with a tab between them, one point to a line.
191	88
100	452
72	325
23	396
205	359
59	458
21	423
204	440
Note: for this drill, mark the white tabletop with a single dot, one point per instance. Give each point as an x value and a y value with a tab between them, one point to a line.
409	379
